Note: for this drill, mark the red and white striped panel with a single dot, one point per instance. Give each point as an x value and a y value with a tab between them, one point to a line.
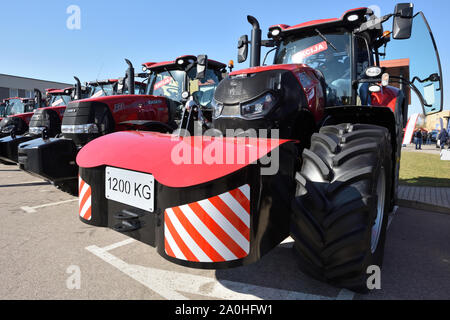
84	199
211	230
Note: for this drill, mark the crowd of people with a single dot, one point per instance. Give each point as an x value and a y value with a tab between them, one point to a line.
423	137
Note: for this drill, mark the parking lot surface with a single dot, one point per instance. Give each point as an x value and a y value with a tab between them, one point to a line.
44	247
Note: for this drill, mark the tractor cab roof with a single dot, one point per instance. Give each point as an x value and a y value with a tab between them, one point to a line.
108	81
102	82
18	98
351	19
179	62
66	91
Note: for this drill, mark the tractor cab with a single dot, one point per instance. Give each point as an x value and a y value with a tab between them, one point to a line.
111	87
18	113
15	106
346	56
59	97
172	78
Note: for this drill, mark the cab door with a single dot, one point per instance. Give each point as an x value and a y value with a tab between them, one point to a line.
423	65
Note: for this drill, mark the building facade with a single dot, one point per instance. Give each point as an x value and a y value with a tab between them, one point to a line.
433	122
15	86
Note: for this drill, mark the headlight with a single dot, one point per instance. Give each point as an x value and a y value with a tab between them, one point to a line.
8	129
36	130
80	128
217	108
259	107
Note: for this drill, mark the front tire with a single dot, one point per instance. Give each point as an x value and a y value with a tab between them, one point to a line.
340	211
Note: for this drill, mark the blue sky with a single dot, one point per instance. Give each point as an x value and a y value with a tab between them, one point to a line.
38	44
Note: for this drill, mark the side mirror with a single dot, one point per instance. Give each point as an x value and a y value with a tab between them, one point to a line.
202	65
403	20
242	48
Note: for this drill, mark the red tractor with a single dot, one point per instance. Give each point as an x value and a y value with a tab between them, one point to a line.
115	105
18	113
45	120
314	153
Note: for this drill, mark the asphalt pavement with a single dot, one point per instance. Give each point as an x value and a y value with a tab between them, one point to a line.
47	253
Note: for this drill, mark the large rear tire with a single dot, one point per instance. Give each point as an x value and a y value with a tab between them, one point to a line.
340	211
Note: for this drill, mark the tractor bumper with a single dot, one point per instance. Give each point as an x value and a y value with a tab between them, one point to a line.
9	146
52	159
229	221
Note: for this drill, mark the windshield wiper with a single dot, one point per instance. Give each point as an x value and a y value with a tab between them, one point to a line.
325	39
170	73
101	87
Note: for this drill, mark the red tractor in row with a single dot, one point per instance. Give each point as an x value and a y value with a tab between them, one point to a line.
45	120
325	173
18	112
114	105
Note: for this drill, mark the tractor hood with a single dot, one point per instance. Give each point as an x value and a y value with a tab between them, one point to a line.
175	161
106	114
248	84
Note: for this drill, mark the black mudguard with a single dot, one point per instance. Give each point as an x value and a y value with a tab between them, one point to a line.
52	159
270	198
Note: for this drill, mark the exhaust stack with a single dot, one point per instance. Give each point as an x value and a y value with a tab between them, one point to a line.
77	89
255	54
38	97
130	77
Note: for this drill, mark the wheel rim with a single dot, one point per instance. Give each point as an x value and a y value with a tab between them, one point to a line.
381	193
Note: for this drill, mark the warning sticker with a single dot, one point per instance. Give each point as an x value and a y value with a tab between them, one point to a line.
300	56
162	83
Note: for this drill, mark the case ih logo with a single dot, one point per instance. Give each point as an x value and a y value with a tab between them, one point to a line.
162	83
151	102
118	107
299	57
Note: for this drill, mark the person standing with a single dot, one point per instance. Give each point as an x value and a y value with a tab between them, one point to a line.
418	139
443	137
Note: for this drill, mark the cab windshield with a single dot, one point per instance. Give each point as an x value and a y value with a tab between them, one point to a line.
59	100
334	63
169	84
172	84
2	110
101	90
15	106
203	89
